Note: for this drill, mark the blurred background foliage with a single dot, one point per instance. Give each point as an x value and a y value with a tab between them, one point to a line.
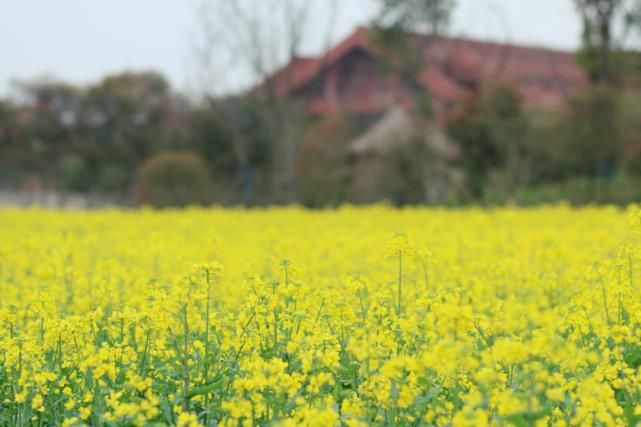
134	137
106	138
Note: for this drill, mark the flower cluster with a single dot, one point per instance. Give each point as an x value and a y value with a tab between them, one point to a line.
353	317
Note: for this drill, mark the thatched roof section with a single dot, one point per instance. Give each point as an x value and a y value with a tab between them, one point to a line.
395	129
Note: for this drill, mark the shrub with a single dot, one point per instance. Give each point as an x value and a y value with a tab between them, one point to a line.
113	178
490	133
321	169
594	133
173	179
74	173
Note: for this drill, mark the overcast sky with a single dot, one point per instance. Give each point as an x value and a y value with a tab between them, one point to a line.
82	40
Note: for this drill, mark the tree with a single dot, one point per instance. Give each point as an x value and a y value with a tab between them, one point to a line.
606	23
124	119
10	147
256	39
491	134
217	139
173	179
398	19
424	16
49	111
417	171
322	164
594	133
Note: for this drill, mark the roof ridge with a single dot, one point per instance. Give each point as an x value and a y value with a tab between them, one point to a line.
480	40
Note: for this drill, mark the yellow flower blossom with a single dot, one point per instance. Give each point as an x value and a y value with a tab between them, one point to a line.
355	316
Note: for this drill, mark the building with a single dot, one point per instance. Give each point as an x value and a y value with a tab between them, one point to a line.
382	88
351	78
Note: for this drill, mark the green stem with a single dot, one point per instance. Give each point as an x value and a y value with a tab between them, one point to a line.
186	384
605	301
400	282
630	269
206	364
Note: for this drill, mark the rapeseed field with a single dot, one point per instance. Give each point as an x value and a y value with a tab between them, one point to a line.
353	317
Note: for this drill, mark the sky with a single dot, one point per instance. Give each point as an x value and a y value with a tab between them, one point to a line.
82	40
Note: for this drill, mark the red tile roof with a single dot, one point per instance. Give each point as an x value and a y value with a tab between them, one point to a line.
456	67
301	70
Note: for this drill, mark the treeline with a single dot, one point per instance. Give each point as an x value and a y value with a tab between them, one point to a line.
589	151
132	136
